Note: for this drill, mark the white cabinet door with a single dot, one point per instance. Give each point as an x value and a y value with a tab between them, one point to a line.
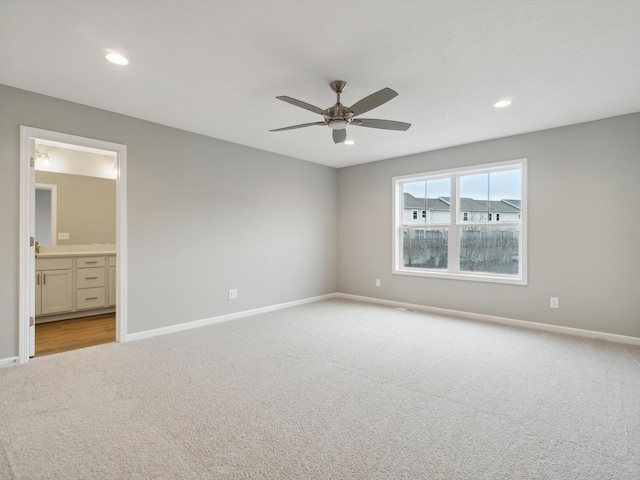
112	287
57	294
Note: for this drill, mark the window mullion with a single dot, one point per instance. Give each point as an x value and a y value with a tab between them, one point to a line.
454	230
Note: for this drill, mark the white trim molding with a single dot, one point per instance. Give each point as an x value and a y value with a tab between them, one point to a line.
8	362
224	318
610	337
452	225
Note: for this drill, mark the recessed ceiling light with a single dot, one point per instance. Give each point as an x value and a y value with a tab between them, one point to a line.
502	103
115	57
349	142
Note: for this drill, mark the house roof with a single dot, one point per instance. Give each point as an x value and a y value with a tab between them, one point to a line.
419	203
498	206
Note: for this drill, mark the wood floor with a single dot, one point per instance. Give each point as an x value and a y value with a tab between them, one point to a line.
65	335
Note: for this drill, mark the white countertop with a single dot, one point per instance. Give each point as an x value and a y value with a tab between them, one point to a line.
95	250
73	254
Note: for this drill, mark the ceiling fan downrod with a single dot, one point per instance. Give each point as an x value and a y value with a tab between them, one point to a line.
338	117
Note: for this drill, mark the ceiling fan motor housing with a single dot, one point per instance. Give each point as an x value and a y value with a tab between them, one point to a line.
338	117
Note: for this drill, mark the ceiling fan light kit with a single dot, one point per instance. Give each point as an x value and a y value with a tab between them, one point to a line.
338	117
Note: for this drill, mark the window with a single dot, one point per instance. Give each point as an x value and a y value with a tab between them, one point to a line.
473	224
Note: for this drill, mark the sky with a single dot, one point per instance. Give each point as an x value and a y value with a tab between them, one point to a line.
495	185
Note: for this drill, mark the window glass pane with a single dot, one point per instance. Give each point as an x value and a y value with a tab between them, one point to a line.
491	197
425	247
490	249
432	199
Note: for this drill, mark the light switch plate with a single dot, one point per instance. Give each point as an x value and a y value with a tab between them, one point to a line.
63	236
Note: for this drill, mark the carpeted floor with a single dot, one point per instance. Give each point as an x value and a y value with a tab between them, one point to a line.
331	390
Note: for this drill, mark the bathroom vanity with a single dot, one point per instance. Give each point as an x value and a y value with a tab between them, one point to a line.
74	284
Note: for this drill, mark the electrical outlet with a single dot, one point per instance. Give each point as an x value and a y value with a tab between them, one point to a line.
554	302
378	282
63	236
233	294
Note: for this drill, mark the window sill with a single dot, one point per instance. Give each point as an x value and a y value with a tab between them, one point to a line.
466	276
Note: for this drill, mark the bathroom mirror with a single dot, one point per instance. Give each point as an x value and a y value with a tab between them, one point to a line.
46	214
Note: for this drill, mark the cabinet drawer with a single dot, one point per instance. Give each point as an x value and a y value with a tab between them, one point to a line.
90	277
90	298
112	261
88	262
53	263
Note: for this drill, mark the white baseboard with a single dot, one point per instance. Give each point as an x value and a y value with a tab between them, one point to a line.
8	362
223	318
610	337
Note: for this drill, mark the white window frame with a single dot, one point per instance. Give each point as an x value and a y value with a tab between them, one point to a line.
456	223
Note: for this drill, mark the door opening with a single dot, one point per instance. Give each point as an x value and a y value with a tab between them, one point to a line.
73	248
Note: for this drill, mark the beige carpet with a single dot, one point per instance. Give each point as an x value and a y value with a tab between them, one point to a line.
331	390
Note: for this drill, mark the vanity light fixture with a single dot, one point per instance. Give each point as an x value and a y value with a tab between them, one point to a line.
43	157
115	57
349	142
502	103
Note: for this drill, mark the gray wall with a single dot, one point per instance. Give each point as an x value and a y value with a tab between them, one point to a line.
583	183
204	216
86	207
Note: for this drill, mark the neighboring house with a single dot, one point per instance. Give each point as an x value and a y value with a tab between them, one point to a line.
421	210
437	210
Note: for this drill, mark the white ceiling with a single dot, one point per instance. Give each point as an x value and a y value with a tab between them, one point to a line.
215	67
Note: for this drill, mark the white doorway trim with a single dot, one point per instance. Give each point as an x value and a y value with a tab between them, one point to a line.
26	296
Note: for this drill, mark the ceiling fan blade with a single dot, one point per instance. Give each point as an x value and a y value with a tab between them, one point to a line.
372	101
383	124
298	126
301	104
339	136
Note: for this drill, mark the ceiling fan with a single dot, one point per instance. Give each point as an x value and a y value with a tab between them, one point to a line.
339	117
